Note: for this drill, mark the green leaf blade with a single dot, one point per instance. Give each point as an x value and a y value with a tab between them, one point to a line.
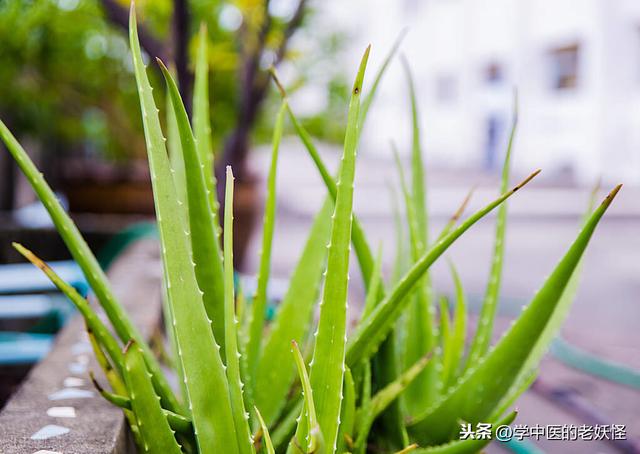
259	306
202	228
208	394
328	357
153	425
483	387
240	416
484	330
292	321
372	331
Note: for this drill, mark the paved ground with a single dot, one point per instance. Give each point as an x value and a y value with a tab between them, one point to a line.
544	219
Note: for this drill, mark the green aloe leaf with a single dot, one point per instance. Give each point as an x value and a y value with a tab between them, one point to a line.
455	348
97	327
327	369
422	328
308	437
259	306
202	121
116	382
83	256
174	147
156	433
292	320
202	224
178	423
468	445
386	367
240	416
358	237
483	386
373	330
265	432
417	328
208	393
482	338
562	311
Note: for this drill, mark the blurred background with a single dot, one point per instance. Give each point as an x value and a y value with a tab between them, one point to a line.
67	92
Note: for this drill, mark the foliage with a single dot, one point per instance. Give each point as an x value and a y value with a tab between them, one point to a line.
65	56
241	392
72	58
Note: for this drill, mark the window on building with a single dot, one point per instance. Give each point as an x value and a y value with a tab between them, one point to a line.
446	89
493	73
563	67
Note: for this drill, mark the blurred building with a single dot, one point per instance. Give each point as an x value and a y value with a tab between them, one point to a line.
576	64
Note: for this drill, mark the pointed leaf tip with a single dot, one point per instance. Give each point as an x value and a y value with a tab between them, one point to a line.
612	195
526	180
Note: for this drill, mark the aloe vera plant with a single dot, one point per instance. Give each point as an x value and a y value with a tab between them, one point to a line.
291	385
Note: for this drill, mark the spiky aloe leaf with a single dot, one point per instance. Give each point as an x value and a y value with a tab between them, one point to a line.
386	364
208	393
116	382
309	436
358	237
83	256
292	320
259	306
174	148
552	328
455	347
481	389
97	327
265	432
372	331
422	332
116	399
202	223
177	422
417	165
482	338
202	122
154	427
469	445
240	416
417	330
327	369
371	94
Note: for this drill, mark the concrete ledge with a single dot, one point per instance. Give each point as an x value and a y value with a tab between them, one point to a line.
56	410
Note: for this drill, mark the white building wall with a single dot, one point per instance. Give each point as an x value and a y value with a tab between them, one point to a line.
592	130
